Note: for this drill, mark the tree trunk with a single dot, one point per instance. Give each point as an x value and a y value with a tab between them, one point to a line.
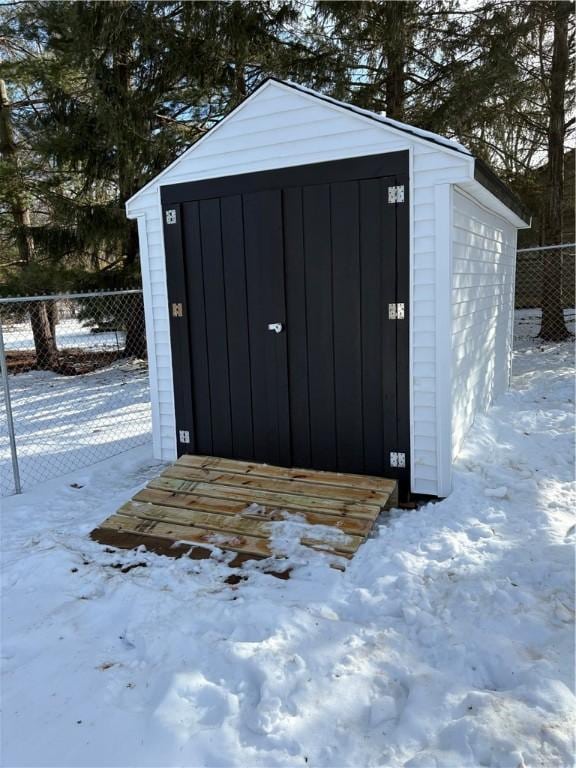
131	245
135	327
553	326
52	310
396	14
44	342
42	328
133	314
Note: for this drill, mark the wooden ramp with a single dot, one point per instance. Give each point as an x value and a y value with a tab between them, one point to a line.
202	502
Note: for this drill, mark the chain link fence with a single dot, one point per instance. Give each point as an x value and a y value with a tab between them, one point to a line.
74	383
544	300
75	378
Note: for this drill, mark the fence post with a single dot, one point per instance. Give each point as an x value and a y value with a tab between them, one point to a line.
9	419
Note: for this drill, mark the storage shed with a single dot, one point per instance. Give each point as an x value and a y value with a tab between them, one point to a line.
326	288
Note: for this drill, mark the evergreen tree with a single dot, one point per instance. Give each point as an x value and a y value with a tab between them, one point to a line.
457	70
126	86
558	16
17	203
372	46
106	94
117	84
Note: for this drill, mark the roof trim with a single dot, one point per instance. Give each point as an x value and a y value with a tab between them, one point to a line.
196	143
417	133
385	122
485	176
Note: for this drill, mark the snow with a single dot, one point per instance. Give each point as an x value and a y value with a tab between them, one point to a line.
446	643
527	326
69	333
66	422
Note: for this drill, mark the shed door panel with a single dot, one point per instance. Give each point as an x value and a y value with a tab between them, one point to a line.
322	259
320	331
340	264
237	326
235	287
266	305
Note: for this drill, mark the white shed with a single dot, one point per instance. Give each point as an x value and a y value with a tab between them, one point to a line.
326	288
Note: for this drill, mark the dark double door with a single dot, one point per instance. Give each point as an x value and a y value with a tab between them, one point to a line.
283	351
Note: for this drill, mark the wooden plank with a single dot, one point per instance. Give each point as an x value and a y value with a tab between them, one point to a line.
110	537
258	341
189	534
366	167
232	524
193	535
216	506
294	487
383	484
195	505
249	495
124	540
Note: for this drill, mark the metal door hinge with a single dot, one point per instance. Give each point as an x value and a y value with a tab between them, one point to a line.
396	194
396	311
177	310
171	216
184	435
397	459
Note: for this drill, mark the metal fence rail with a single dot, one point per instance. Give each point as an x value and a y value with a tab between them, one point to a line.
544	293
74	383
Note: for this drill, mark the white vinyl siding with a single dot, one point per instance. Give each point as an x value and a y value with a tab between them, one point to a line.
280	127
483	264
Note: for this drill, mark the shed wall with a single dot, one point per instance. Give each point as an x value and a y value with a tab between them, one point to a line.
279	128
483	266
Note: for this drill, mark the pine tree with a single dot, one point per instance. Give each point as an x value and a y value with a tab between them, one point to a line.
115	79
455	70
372	47
553	326
17	203
121	87
126	86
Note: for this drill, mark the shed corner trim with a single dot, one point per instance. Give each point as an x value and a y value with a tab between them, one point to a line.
443	203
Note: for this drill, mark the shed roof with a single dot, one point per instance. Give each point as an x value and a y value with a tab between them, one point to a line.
420	133
483	174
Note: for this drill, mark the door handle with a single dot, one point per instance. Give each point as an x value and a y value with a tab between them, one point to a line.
276	327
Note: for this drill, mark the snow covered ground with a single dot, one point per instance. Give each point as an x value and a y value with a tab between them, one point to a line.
527	325
447	643
69	333
66	422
